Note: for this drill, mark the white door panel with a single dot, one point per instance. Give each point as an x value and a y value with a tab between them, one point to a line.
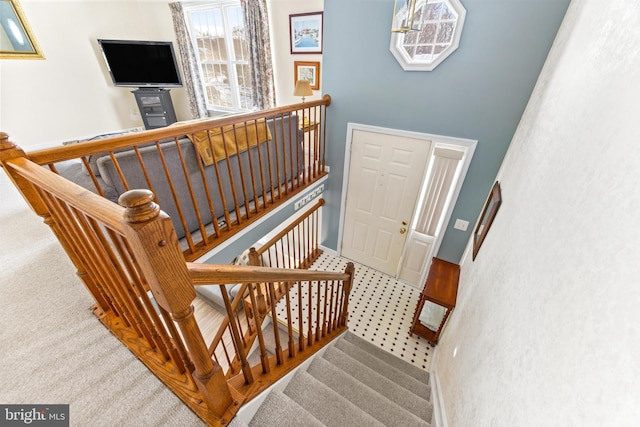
385	173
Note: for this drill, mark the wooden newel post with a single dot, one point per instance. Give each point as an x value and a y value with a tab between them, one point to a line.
155	245
344	316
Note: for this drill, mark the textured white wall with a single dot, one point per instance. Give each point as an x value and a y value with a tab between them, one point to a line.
547	328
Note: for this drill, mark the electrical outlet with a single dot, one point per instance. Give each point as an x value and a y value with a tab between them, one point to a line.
461	224
309	197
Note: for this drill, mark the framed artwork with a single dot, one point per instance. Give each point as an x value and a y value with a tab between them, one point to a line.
305	31
16	39
486	217
307	71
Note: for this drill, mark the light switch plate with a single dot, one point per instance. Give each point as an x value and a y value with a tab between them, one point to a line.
461	224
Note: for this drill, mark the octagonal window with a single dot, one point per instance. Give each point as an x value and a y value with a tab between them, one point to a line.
433	35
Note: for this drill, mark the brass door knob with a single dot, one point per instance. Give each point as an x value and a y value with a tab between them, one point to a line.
403	230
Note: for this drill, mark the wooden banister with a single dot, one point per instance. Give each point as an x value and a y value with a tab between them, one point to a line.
208	202
208	274
130	259
75	151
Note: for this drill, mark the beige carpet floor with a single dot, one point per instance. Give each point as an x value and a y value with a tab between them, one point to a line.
52	349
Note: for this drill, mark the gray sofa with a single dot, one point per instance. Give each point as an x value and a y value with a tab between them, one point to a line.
290	158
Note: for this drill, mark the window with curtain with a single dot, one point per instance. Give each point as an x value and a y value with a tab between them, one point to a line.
220	43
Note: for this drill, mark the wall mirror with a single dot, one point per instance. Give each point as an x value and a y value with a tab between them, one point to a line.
16	39
486	217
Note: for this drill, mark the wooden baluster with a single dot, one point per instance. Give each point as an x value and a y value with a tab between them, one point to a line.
232	183
240	168
153	237
219	180
238	340
300	323
291	342
137	282
274	320
80	244
9	150
207	191
276	141
270	163
344	316
263	182
264	357
331	311
261	308
298	258
325	312
310	314
254	125
174	195
192	195
318	310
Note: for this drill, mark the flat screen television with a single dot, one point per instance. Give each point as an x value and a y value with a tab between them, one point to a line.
141	64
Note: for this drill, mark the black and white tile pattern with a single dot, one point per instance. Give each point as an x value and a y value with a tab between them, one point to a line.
381	310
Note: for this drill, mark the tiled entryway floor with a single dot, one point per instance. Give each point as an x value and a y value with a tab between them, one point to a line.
381	310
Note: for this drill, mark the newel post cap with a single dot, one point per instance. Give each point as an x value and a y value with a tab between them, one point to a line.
140	206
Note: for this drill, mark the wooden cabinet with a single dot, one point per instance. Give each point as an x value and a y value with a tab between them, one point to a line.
441	288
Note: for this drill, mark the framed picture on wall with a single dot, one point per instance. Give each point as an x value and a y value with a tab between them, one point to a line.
307	71
305	30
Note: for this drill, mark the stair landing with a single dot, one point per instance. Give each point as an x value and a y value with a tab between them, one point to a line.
381	311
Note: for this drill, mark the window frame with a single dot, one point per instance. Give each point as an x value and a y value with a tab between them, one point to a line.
231	62
407	62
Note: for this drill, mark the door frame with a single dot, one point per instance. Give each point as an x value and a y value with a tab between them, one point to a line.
469	146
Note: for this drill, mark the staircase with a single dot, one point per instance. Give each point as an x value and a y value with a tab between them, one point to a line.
354	383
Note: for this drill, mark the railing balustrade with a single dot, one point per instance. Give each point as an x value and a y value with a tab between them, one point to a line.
213	177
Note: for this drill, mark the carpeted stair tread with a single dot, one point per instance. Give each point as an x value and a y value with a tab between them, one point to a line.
325	404
237	422
393	360
399	377
280	410
365	398
381	384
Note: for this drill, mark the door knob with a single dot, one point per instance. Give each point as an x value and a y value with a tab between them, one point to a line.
403	230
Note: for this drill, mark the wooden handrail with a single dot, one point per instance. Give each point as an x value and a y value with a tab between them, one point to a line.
83	199
212	274
74	151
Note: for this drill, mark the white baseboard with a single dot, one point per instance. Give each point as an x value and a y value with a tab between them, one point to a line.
329	251
439	414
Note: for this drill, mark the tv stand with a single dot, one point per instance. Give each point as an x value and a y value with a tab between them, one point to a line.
156	107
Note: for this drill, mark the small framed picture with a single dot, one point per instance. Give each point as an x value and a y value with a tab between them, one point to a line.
307	71
306	32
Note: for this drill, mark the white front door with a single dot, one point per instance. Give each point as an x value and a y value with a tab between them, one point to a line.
385	175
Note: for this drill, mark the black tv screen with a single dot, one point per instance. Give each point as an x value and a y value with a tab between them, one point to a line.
141	63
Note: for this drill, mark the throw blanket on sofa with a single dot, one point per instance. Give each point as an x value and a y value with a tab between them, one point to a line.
229	140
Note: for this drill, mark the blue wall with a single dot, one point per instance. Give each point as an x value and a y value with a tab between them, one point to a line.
479	92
